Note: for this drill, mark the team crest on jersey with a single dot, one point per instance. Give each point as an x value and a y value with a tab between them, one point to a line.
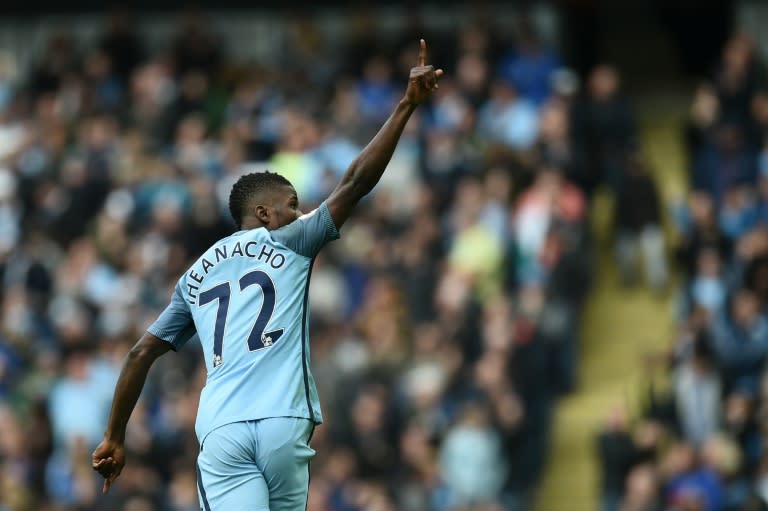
216	360
266	340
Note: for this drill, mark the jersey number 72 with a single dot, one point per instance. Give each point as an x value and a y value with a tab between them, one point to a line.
258	338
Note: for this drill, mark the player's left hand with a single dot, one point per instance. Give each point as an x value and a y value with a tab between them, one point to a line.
108	460
423	79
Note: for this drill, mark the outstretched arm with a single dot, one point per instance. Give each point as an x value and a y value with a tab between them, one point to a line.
366	170
109	457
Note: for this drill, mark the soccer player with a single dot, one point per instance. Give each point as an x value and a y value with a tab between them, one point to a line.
246	298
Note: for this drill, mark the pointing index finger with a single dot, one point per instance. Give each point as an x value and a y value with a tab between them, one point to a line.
422	52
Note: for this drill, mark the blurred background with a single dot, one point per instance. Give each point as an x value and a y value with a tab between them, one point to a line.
555	300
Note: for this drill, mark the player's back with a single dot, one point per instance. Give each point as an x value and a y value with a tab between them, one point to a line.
247	297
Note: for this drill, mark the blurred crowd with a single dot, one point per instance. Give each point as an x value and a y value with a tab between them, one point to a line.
445	320
700	443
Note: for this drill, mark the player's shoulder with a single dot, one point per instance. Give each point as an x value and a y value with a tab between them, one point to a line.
308	233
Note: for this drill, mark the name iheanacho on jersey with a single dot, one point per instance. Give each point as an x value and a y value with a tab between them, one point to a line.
266	254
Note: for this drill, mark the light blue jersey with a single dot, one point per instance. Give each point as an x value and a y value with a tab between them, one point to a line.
247	299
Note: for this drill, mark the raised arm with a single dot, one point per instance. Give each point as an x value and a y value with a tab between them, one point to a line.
366	170
109	457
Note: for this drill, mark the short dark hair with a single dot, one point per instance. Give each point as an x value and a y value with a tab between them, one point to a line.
247	187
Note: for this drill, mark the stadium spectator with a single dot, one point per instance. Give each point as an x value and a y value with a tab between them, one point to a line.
637	218
605	131
507	118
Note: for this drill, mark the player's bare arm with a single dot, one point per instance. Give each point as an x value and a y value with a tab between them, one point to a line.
366	170
109	457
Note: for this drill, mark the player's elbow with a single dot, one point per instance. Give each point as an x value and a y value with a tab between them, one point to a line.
357	190
140	355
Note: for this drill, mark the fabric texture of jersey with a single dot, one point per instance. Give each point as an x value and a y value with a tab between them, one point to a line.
247	299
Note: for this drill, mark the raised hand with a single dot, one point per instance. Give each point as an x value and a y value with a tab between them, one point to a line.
108	460
423	79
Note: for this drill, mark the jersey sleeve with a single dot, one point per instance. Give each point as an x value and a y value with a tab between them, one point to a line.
175	324
309	233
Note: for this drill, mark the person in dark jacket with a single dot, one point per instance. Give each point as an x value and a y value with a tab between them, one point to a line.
638	226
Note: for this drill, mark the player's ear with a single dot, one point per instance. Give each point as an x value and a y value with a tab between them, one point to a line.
263	213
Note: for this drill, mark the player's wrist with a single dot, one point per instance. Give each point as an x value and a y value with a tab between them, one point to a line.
407	104
114	437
